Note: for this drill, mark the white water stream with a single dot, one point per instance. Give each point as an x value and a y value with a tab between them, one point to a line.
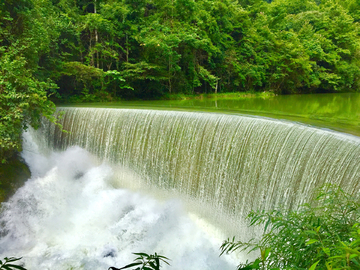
72	215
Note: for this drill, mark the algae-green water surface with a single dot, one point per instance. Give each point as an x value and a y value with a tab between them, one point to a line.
339	111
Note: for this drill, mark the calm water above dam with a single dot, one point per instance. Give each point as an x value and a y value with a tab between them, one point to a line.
340	112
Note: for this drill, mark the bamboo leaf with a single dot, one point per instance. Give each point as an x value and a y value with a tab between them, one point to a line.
131	265
314	266
142	254
327	251
311	241
16	266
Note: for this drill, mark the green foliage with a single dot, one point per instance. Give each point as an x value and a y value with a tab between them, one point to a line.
7	264
169	47
347	255
145	262
23	95
323	234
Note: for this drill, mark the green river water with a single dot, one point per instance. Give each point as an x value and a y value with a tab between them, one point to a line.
340	112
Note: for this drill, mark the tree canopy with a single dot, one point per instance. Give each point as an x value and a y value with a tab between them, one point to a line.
108	49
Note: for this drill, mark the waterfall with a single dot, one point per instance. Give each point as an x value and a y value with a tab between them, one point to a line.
126	180
231	163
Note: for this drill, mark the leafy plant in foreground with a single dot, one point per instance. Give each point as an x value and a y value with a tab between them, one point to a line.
6	264
322	234
145	262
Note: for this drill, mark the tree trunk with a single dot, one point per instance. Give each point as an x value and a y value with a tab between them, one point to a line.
127	48
96	39
169	74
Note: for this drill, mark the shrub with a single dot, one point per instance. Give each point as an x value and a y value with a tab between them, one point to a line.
7	264
322	234
145	262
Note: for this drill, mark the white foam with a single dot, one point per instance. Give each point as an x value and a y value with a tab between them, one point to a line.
69	215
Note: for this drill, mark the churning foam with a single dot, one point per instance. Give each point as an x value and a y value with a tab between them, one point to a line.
69	215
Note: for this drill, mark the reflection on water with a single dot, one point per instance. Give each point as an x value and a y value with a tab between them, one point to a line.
340	112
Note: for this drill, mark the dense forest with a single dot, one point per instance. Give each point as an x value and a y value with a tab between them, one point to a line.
104	50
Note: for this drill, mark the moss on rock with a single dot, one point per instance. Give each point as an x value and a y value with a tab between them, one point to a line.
13	175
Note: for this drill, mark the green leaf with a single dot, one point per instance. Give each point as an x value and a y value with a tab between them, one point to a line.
353	256
12	259
16	266
267	224
327	251
153	265
131	265
142	254
311	241
267	252
314	266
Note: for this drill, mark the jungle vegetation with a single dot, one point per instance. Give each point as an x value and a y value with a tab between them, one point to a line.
321	234
104	50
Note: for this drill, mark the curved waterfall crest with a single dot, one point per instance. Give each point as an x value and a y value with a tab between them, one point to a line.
177	183
232	162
